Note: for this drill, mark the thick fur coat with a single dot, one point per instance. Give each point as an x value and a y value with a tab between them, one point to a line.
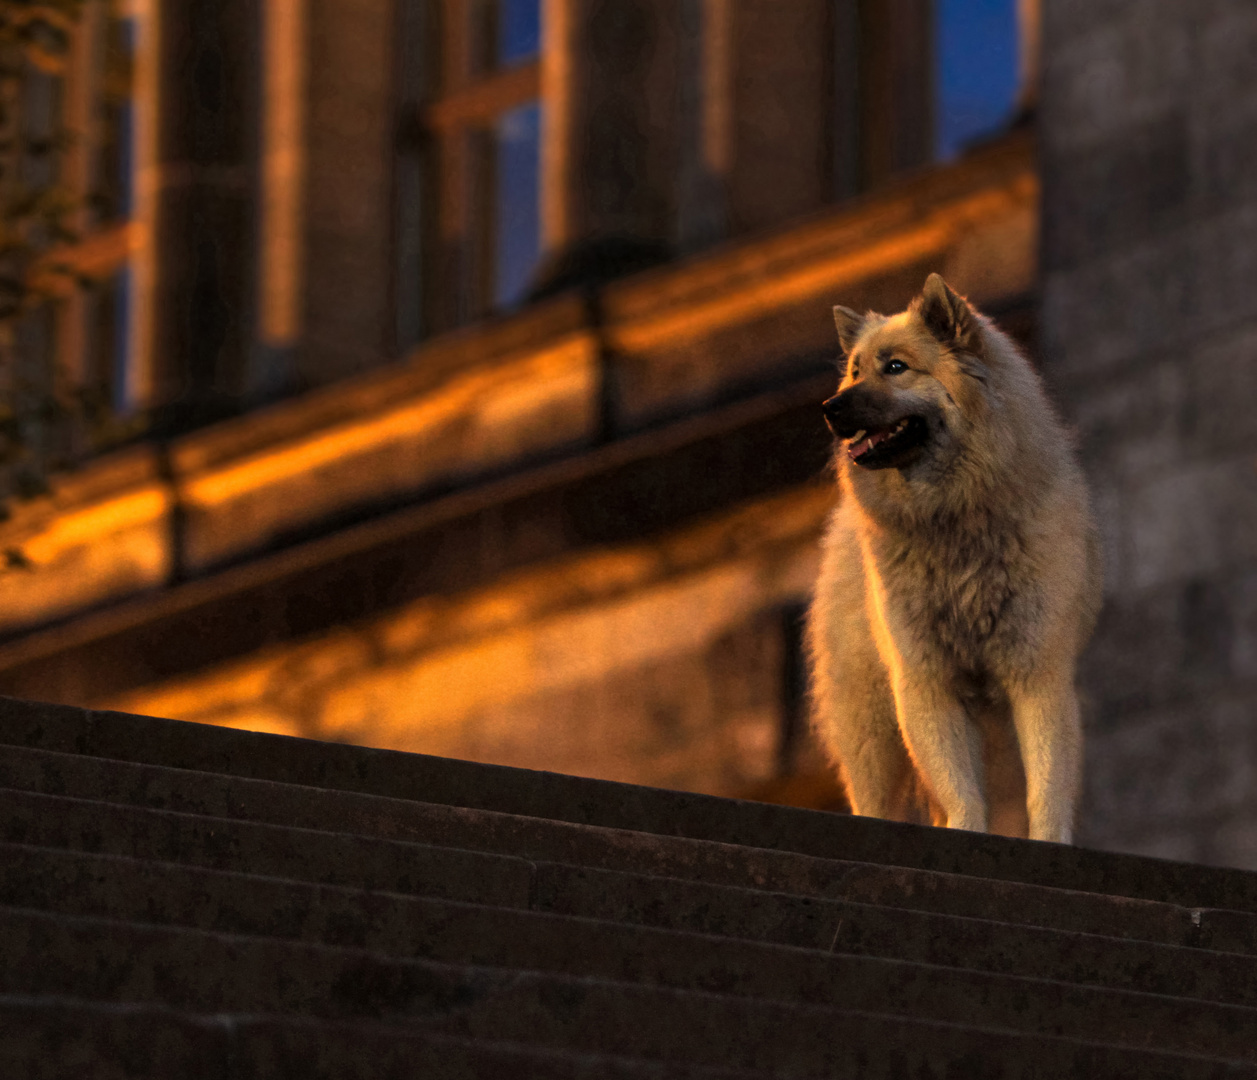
960	578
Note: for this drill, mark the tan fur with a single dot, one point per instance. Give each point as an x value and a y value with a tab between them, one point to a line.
955	591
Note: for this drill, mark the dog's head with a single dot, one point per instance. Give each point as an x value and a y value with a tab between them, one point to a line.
912	381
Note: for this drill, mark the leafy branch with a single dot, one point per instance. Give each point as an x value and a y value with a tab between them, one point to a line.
39	219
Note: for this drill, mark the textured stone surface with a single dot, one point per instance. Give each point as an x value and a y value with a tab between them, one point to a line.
348	189
1148	322
664	903
164	921
581	800
421	928
268	802
655	662
48	1039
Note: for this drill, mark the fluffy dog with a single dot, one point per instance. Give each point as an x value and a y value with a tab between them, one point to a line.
960	578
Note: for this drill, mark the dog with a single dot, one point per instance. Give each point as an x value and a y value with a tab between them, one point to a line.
960	578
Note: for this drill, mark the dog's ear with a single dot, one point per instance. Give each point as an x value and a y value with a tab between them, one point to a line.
849	324
947	316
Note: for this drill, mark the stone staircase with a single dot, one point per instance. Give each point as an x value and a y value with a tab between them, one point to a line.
195	902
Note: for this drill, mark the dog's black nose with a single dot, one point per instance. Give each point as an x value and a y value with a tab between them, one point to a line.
857	409
833	409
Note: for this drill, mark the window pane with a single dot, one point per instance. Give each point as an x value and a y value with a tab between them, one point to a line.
42	105
517	214
115	161
108	309
519	30
977	70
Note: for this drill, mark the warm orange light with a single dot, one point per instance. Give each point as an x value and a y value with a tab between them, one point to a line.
767	287
493	401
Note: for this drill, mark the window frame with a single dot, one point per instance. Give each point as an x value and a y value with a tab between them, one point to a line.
466	94
106	246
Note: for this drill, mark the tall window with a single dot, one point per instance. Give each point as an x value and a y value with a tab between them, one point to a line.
28	375
107	92
90	335
921	81
977	71
480	129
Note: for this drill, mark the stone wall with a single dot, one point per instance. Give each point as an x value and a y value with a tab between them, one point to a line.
659	662
348	309
1149	334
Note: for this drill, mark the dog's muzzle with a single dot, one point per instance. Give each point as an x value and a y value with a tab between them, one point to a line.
878	435
850	412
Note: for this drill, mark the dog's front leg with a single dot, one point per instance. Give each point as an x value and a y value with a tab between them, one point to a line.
1049	732
946	747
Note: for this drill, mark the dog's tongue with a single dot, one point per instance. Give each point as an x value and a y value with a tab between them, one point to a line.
858	449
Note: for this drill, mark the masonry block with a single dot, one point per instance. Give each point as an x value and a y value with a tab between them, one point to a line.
1225	43
349	210
1222	264
1224	151
1157	647
1163	769
1196	519
1067	21
1129	426
1243	637
1125	72
1219	382
1131	186
1104	316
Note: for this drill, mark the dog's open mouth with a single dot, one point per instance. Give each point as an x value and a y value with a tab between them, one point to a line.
879	448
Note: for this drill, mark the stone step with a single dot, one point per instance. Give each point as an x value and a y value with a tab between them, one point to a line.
198	972
585	801
45	1038
391	925
271	802
664	902
186	900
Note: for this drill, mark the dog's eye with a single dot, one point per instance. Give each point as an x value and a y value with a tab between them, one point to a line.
894	367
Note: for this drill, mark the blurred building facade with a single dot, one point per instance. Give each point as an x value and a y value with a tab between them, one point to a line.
480	346
1148	130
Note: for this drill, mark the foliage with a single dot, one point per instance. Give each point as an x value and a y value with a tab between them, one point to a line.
35	211
37	219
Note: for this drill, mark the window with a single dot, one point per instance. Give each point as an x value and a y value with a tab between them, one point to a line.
920	81
29	369
95	339
977	71
109	97
112	98
480	119
517	153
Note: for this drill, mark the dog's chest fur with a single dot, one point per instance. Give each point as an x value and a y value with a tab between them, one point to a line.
954	581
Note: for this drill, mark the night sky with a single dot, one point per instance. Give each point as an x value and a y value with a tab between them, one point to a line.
518	209
977	70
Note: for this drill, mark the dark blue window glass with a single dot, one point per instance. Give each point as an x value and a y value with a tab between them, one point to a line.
519	29
126	129
977	70
121	341
518	211
109	315
114	194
